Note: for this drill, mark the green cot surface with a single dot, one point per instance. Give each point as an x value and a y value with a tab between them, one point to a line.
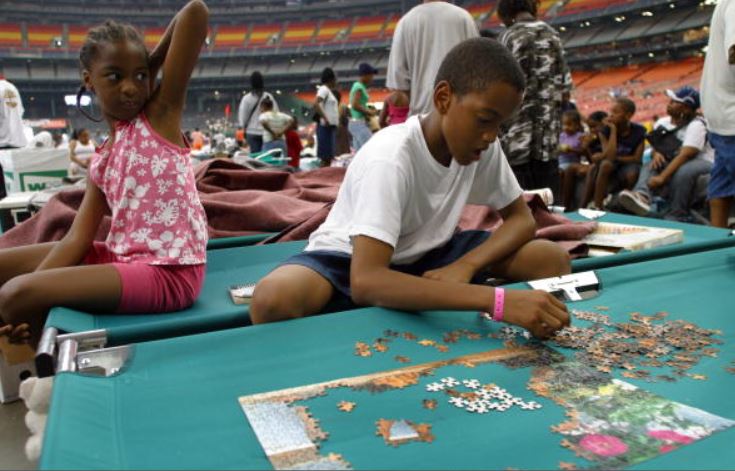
696	239
227	266
175	405
213	310
239	241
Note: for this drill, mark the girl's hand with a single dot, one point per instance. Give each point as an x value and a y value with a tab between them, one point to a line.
536	311
457	272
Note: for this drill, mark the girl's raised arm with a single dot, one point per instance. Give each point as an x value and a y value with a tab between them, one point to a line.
177	54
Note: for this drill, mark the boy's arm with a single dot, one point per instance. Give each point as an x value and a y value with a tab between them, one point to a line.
374	283
518	228
75	245
636	157
609	143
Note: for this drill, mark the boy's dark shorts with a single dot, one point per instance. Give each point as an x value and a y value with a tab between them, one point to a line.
335	266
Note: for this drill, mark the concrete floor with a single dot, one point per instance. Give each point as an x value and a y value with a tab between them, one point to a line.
13	436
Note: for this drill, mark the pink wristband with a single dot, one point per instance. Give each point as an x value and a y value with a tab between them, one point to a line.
499	310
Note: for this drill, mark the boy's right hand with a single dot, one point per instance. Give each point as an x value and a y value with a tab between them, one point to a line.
16	334
536	311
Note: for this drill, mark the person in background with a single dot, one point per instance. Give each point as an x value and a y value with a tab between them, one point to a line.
248	113
360	112
422	38
680	157
623	142
197	135
81	150
531	137
240	137
571	151
395	109
343	140
592	141
12	135
274	124
293	144
327	110
718	104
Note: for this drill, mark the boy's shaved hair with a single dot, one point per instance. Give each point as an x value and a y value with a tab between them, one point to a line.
475	64
627	104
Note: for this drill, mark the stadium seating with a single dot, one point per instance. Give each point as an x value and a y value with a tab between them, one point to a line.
10	35
230	37
265	35
331	30
44	36
367	28
299	33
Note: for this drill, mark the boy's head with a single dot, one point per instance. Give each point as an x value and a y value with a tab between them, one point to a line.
329	78
596	121
509	9
622	111
114	63
478	86
366	72
571	122
266	105
256	81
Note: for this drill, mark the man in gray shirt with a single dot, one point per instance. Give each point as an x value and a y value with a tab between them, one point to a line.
422	38
248	113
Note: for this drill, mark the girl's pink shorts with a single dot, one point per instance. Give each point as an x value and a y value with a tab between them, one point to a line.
151	288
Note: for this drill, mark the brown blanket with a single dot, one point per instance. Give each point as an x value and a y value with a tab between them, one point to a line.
239	201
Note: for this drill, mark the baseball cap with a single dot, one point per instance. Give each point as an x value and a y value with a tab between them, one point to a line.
687	95
366	69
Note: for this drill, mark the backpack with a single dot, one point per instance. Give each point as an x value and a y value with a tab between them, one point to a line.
665	142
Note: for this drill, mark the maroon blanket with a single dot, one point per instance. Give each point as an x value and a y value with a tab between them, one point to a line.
239	201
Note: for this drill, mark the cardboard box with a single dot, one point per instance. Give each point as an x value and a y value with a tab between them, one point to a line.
16	364
33	169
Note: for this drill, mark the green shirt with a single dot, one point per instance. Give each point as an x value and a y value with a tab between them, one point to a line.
359	86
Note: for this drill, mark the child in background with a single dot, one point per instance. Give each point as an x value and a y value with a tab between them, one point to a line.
571	150
153	259
620	161
293	144
390	238
593	143
274	124
395	109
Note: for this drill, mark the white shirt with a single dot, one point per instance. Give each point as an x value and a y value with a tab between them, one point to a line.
43	140
12	133
718	77
277	121
250	106
422	39
692	135
329	105
396	192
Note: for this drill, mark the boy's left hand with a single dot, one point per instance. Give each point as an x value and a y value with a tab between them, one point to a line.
457	272
16	334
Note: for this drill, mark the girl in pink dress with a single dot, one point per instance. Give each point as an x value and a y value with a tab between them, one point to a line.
153	259
395	109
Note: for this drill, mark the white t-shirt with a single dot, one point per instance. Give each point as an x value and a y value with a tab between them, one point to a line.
718	77
277	121
250	106
329	105
422	39
693	135
396	192
12	133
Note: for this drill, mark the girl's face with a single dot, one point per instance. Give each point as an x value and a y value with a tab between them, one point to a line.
119	77
84	137
570	125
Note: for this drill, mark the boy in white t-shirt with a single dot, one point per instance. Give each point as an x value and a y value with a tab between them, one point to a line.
390	238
